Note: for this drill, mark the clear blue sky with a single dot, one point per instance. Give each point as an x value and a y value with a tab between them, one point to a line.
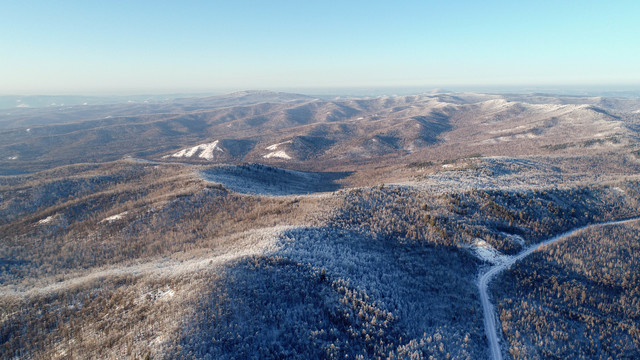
168	46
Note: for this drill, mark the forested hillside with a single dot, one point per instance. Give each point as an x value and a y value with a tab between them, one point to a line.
577	298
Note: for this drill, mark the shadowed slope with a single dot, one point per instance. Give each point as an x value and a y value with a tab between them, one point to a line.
268	180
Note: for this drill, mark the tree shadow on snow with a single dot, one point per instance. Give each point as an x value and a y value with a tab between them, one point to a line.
331	292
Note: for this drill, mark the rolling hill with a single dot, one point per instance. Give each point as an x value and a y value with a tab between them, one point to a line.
306	132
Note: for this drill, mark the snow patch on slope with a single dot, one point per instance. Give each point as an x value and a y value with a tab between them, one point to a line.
277	154
484	251
275	146
46	220
205	151
114	217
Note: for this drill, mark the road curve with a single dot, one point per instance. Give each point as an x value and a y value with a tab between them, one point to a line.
490	320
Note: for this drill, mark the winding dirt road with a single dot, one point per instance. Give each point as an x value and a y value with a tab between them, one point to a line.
490	321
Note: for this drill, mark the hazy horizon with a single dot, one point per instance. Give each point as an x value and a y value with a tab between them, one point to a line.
570	90
390	90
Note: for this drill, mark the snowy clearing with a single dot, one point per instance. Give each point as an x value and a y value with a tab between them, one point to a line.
46	220
206	151
269	180
485	252
277	154
114	217
275	146
253	242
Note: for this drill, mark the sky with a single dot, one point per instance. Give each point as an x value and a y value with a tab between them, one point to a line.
126	47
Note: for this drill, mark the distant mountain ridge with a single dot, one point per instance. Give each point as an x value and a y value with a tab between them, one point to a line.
274	127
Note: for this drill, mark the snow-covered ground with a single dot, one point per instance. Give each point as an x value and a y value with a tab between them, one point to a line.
275	146
46	220
253	242
277	154
500	173
203	151
485	252
268	180
114	217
